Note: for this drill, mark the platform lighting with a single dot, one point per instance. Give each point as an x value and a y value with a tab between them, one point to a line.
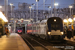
0	6
37	0
21	18
65	20
11	19
11	4
55	4
3	17
31	19
30	6
74	19
70	6
27	20
70	20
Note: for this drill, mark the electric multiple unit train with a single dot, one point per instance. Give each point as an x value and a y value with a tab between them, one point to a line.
19	30
51	28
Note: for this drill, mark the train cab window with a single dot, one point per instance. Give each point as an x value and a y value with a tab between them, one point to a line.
55	26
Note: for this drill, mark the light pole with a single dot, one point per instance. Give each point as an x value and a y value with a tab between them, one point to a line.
11	8
11	4
37	10
70	10
30	11
55	4
49	10
70	18
43	7
33	9
0	8
6	7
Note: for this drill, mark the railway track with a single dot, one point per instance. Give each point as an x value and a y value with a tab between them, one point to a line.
36	43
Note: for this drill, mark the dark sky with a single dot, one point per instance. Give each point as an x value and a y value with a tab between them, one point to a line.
62	3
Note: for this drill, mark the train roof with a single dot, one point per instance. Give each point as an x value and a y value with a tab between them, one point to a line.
58	19
38	22
55	17
44	21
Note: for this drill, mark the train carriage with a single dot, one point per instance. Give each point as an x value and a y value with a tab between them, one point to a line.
51	28
55	28
19	30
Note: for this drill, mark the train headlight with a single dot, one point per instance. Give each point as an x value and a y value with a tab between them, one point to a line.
62	33
49	33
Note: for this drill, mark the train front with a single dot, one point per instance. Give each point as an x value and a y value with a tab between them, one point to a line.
55	28
19	30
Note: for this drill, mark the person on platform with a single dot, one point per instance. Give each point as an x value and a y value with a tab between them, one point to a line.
69	33
7	32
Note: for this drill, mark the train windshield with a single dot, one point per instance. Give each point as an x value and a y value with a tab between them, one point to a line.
19	28
55	26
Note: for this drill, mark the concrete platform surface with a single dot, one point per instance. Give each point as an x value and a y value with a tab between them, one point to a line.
72	39
13	42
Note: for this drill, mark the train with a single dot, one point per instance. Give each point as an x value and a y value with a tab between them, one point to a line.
19	30
50	29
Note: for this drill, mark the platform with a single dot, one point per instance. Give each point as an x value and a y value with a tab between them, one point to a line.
72	39
13	42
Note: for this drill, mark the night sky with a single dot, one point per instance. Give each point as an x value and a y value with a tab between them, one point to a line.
62	3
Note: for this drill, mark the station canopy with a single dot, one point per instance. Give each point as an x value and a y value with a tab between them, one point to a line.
3	17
